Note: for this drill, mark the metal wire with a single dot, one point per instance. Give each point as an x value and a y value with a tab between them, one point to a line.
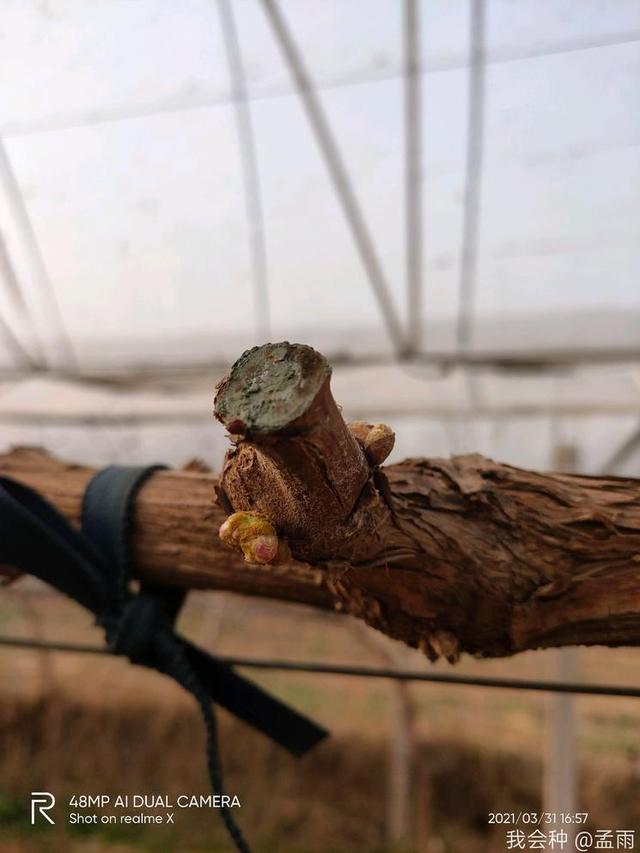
363	411
363	671
338	173
413	173
20	354
16	298
506	360
28	235
176	104
473	168
250	172
472	189
622	453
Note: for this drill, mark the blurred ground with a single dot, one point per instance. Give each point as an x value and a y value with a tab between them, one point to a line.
86	724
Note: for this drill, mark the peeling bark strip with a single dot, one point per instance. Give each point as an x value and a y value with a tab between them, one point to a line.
447	555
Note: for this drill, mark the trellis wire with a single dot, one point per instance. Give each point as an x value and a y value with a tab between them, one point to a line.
363	671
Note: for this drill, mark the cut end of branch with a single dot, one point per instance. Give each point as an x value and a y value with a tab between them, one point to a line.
269	387
376	440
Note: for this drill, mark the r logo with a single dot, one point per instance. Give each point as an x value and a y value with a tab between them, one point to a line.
44	801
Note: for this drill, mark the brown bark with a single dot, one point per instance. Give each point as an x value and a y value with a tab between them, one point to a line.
448	555
175	530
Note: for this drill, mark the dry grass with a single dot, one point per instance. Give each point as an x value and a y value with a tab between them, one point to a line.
332	800
78	724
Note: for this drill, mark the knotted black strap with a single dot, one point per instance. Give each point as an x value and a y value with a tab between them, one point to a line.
94	568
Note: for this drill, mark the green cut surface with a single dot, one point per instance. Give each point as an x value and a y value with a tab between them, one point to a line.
270	386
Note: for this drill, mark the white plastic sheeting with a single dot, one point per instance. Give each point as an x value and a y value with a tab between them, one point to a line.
118	128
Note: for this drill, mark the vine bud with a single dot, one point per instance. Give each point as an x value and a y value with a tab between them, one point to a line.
254	534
